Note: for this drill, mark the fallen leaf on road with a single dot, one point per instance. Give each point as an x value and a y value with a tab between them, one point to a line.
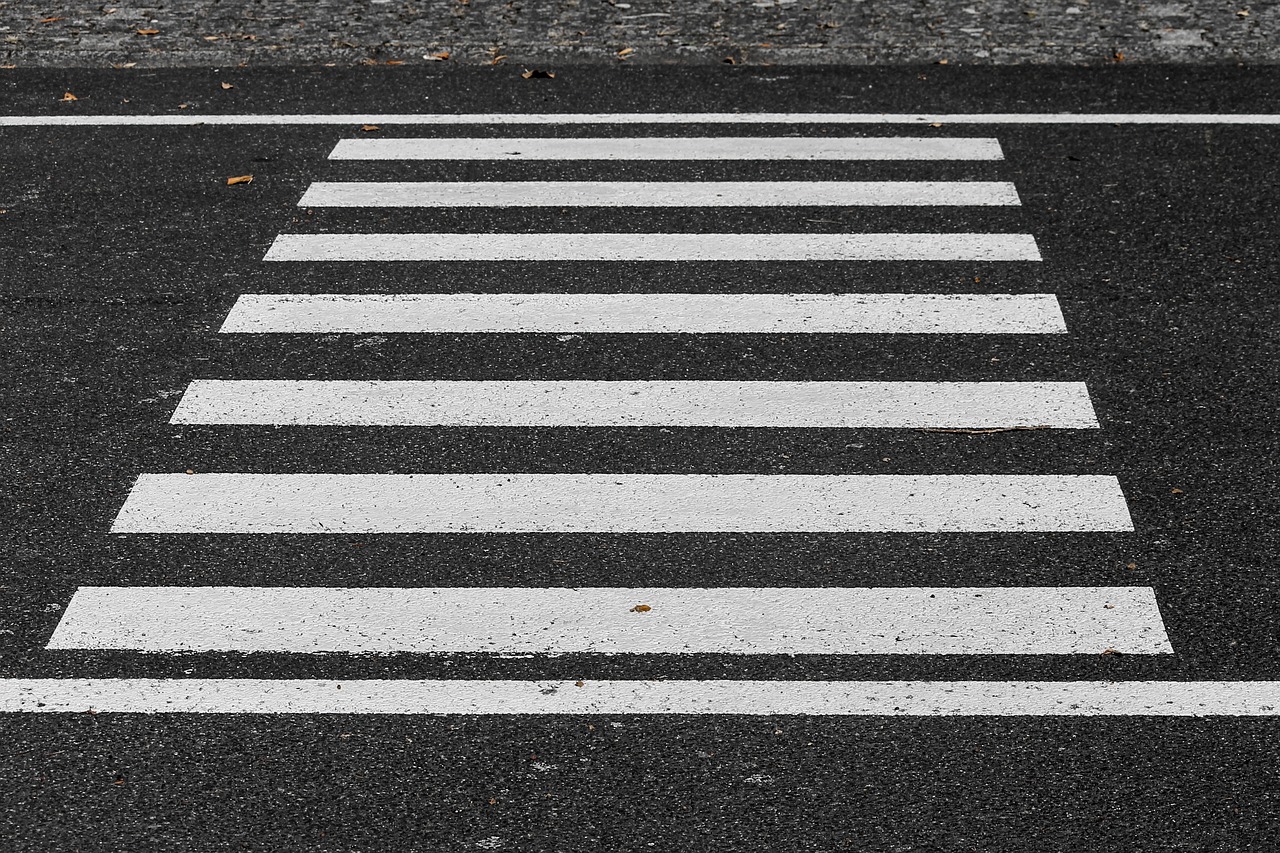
641	608
240	179
67	96
369	128
1175	491
50	20
148	32
395	62
626	53
437	57
228	85
538	73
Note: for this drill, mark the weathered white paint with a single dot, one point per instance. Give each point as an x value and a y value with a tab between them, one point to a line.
599	698
671	148
355	120
693	313
900	405
521	620
658	194
620	503
653	247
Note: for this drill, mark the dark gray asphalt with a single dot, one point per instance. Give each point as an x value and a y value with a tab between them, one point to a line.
122	250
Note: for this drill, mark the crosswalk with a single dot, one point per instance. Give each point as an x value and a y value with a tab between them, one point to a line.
631	620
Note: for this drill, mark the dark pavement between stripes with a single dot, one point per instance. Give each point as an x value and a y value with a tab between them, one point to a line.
124	249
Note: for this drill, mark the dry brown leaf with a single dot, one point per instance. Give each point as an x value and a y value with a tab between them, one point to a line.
148	32
437	57
228	85
212	38
369	128
579	684
184	106
51	20
538	73
943	62
1175	491
395	62
1131	565
67	96
8	67
240	179
641	608
1117	57
498	58
626	53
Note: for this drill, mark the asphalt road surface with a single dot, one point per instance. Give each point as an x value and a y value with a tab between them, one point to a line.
833	482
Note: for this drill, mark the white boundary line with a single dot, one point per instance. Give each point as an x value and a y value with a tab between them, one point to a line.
428	119
739	698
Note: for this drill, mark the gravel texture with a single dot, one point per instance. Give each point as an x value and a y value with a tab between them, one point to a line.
540	34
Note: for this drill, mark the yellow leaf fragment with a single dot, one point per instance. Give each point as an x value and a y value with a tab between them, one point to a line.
239	179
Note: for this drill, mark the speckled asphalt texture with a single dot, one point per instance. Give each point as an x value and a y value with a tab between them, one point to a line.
763	32
123	249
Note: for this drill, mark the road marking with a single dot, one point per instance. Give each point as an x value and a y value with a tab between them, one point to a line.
436	119
694	313
657	193
653	247
620	503
604	620
599	698
900	405
671	148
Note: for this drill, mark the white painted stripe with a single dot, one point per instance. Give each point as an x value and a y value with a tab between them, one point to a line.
737	698
653	247
620	503
671	148
900	405
436	119
657	193
603	620
864	313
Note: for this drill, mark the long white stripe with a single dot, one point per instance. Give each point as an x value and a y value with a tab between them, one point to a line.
644	403
436	119
671	148
653	247
866	313
737	698
604	620
619	503
657	193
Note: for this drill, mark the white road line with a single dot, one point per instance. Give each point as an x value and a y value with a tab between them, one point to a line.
653	247
694	313
620	503
436	119
658	193
604	620
671	148
902	405
734	698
